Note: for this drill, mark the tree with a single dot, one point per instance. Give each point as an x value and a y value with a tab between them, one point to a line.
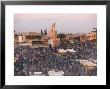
95	29
45	32
61	35
41	32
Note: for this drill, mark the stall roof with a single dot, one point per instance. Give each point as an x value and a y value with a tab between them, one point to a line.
62	51
53	73
70	50
88	63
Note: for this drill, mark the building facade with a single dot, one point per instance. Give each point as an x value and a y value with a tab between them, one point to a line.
92	36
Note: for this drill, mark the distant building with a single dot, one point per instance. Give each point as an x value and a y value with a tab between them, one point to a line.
92	36
45	38
39	43
21	38
27	37
30	36
53	40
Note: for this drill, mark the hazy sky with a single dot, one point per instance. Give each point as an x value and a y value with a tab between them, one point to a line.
65	23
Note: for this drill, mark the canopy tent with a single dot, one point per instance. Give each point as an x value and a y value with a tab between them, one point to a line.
62	51
36	74
53	73
88	63
70	50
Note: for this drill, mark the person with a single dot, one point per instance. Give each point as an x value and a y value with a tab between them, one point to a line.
29	59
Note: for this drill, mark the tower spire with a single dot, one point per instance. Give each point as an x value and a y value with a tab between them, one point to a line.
54	24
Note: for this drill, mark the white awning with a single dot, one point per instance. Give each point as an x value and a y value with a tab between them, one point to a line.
37	73
87	63
53	73
62	51
70	50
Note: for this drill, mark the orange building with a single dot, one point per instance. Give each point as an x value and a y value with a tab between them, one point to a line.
92	36
53	40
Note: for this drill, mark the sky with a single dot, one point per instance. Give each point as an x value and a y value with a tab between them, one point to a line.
65	23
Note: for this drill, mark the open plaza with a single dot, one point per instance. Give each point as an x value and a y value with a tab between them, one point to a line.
53	54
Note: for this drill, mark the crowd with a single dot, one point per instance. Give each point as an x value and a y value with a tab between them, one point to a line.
41	59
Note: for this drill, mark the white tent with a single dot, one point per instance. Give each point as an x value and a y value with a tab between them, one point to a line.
70	50
53	73
62	51
37	73
88	63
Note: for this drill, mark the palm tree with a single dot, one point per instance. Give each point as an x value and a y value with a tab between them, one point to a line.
41	32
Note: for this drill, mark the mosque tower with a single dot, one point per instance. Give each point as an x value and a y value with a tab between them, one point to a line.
53	32
54	41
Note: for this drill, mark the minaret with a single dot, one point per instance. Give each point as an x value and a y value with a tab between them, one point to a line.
53	27
53	32
53	35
